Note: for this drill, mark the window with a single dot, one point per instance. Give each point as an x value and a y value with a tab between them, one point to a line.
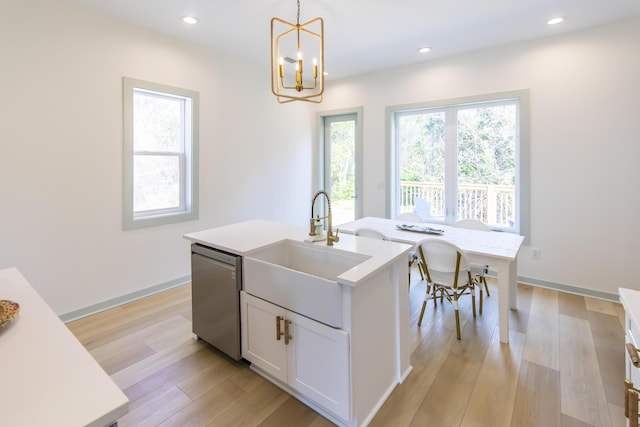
160	154
340	168
467	159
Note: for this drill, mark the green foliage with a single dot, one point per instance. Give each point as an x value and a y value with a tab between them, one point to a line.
486	145
157	122
343	160
486	148
422	147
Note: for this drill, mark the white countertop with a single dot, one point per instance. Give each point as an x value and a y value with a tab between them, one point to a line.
245	237
48	377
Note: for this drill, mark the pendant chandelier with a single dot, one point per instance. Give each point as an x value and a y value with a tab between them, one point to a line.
293	47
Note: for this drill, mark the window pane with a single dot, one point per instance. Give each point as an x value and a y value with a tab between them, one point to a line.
157	122
156	183
343	180
487	164
422	162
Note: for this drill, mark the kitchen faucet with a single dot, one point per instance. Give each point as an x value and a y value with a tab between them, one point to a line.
312	231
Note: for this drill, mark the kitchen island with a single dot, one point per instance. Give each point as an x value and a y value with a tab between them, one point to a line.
48	377
344	367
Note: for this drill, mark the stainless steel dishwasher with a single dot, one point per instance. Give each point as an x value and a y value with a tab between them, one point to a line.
216	280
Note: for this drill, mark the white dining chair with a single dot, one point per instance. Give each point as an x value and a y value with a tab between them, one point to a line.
448	273
370	232
375	234
413	255
479	271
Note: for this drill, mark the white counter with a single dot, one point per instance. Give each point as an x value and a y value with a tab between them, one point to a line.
245	237
48	377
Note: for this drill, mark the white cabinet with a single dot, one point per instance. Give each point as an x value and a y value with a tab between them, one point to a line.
630	300
308	356
260	343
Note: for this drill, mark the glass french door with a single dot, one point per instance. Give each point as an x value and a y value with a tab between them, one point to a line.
341	166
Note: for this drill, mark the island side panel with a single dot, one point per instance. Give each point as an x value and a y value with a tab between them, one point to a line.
376	358
399	273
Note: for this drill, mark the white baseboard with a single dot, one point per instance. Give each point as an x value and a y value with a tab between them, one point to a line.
114	302
569	289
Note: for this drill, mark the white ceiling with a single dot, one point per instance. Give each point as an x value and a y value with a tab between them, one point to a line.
367	35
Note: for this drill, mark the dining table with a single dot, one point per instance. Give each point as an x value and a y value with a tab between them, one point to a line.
498	249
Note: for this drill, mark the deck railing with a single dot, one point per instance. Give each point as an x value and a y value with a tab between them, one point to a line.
491	204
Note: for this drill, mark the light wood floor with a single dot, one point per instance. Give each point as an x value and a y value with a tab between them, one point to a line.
564	366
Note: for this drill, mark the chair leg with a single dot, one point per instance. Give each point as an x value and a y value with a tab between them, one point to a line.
473	302
420	269
424	304
480	289
455	306
486	288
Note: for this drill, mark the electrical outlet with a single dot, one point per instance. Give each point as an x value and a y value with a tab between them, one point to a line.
535	253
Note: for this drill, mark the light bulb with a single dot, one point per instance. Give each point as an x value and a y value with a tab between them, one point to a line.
190	20
554	21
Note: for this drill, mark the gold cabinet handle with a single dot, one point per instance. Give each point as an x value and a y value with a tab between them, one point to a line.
633	355
633	407
628	385
631	403
278	330
287	335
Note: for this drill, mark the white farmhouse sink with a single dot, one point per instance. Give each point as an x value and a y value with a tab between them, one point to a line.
300	277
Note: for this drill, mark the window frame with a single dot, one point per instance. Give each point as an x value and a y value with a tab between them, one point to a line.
188	157
522	220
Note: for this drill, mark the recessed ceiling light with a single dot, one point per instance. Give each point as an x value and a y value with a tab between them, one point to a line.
424	49
190	20
554	21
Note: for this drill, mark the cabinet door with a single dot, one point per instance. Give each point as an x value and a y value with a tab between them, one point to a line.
318	358
259	341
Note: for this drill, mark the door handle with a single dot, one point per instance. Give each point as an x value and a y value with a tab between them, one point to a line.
287	335
278	330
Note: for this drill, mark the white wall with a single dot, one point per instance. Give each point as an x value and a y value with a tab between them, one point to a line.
585	143
61	162
61	137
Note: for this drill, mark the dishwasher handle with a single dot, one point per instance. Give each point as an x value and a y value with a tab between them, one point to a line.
224	257
214	262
